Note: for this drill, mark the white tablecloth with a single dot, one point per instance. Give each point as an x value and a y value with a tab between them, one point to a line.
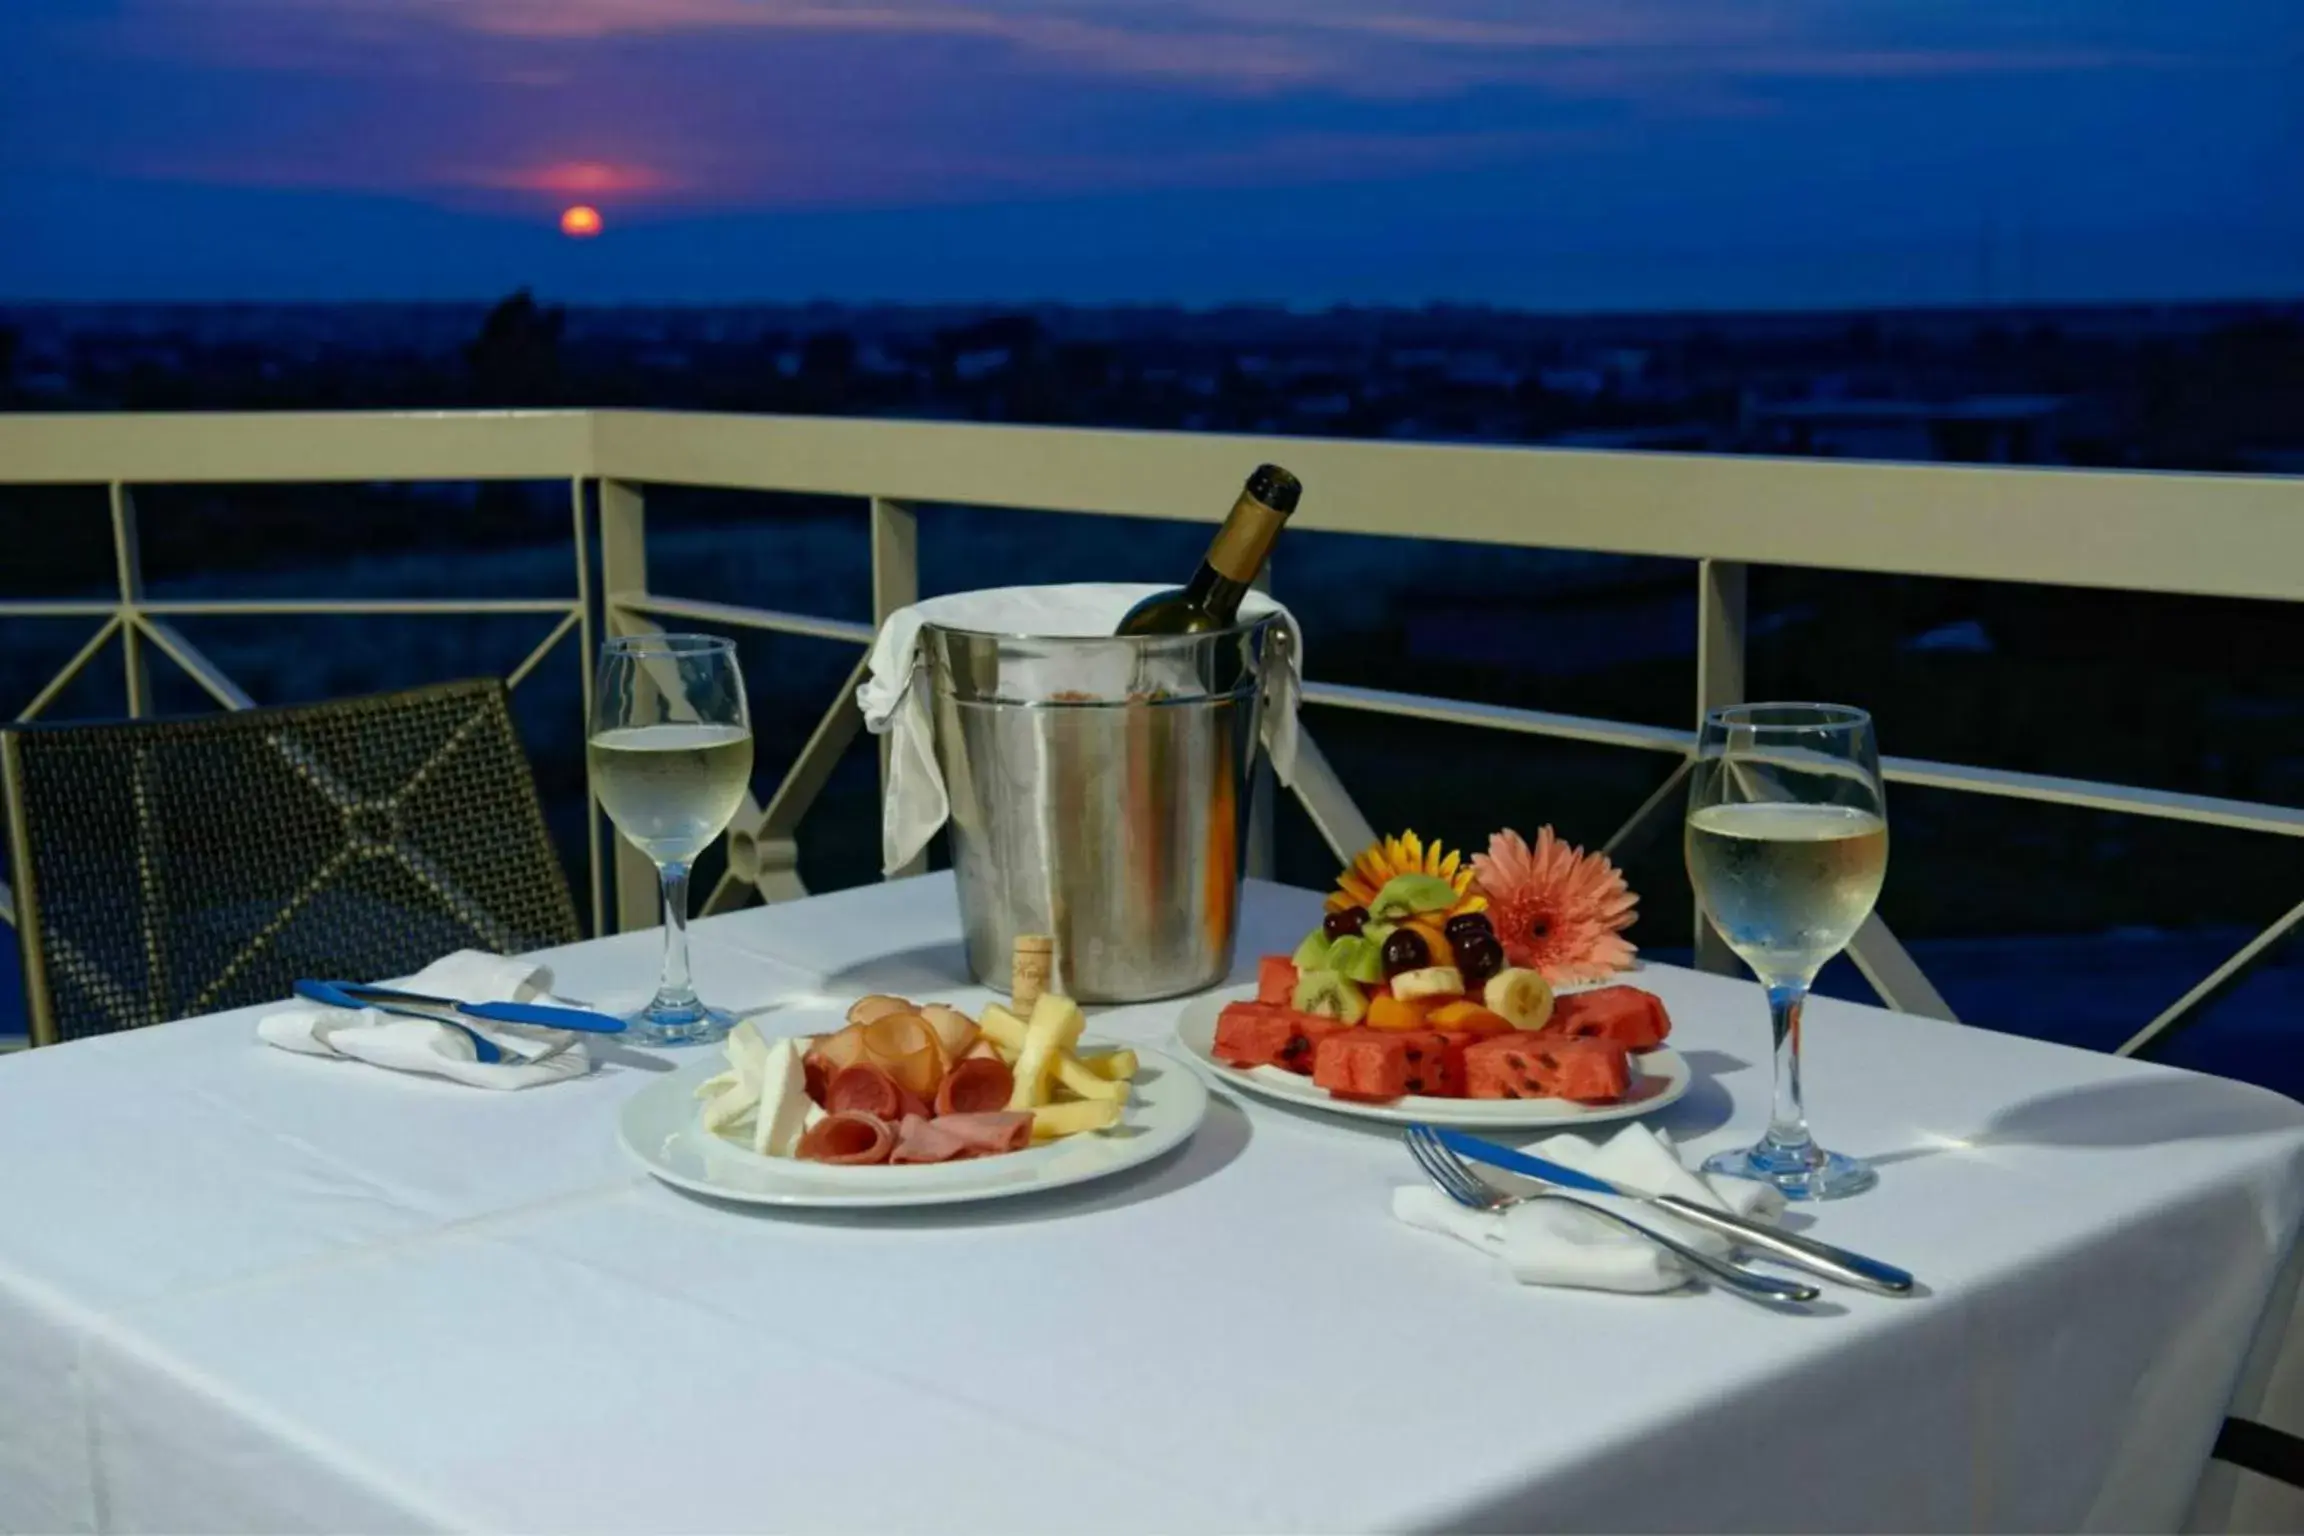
242	1290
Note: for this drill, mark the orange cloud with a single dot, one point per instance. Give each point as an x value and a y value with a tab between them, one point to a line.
573	178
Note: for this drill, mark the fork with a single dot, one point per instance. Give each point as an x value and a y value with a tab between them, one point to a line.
1455	1179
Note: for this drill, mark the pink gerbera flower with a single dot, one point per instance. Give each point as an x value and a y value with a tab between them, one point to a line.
1557	909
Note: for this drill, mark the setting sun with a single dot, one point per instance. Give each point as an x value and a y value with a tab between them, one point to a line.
581	222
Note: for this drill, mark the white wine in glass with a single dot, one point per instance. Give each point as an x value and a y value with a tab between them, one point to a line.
1787	884
1787	848
671	788
670	753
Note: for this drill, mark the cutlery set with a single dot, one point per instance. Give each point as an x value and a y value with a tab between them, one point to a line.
1442	1153
448	1011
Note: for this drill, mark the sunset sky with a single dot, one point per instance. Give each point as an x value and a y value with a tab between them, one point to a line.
1580	154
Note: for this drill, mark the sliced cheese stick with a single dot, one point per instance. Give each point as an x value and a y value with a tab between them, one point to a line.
1003	1029
1076	1075
1113	1066
1050	1121
1054	1027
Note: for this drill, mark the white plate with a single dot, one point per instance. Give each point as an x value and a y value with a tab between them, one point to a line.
662	1127
1663	1075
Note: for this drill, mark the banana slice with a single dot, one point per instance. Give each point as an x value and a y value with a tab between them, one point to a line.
1431	981
1521	998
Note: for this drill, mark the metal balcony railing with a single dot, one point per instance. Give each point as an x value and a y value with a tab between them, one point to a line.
2223	536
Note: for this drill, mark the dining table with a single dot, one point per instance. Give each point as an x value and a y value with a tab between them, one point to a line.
247	1290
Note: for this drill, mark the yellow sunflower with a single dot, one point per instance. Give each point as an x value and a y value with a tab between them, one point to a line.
1406	854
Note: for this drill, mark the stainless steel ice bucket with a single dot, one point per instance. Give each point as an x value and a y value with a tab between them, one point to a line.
1100	794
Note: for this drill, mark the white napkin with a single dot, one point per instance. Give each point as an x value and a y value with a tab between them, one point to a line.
916	803
408	1044
1547	1243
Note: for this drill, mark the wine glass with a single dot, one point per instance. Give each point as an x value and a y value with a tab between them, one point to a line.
671	754
1787	846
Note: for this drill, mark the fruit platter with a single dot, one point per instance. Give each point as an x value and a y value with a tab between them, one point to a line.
896	1103
1409	1003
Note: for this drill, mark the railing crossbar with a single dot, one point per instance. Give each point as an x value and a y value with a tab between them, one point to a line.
2238	537
738	616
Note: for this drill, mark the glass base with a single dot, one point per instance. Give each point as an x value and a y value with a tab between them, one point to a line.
667	1021
1803	1172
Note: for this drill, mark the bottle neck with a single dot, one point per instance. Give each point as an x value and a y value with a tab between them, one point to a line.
1215	594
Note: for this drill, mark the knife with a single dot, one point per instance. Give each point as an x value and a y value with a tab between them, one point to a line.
353	994
1792	1247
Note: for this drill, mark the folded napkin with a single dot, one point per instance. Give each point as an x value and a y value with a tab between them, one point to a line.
916	803
408	1044
1547	1243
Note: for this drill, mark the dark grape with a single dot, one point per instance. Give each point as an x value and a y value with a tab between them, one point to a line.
1479	956
1344	924
1405	950
1465	924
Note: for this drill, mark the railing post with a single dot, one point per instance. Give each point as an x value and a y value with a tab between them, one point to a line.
586	645
624	573
895	584
1328	803
1719	681
128	560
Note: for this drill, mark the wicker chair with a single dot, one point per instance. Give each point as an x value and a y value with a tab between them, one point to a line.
164	868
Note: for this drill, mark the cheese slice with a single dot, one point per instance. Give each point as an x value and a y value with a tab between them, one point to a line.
784	1101
746	1051
732	1104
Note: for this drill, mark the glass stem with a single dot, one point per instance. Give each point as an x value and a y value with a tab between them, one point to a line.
675	986
1788	1119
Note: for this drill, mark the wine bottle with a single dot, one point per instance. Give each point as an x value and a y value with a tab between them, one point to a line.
1212	600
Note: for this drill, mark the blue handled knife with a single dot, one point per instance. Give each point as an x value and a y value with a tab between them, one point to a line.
352	994
1792	1247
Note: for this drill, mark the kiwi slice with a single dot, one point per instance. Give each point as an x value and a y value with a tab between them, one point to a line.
1330	996
1312	954
1355	958
1407	895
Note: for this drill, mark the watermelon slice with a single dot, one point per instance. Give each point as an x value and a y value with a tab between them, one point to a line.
1386	1063
1275	979
1633	1019
1546	1066
1435	1063
1266	1035
1362	1064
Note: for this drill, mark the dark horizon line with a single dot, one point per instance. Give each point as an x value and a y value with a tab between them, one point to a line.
1257	306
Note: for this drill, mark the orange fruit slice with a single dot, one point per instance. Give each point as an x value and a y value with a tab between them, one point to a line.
1388	1012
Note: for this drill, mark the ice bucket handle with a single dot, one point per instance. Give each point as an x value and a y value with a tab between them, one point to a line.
1273	666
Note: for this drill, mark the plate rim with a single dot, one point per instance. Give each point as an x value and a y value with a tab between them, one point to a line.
1127	1154
1680	1076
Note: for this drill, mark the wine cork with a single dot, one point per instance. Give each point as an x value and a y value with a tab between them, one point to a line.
1031	966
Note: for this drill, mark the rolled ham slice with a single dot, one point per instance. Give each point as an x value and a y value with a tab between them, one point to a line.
865	1088
987	1135
922	1140
975	1086
850	1136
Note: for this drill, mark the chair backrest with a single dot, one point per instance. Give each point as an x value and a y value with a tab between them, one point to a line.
164	868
